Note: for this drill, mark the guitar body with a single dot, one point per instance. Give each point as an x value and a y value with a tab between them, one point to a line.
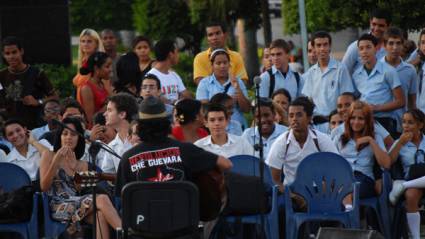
211	191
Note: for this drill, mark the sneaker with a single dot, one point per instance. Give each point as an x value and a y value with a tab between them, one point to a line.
397	191
348	207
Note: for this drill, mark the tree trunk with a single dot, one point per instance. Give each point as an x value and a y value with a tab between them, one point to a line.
231	39
267	29
248	47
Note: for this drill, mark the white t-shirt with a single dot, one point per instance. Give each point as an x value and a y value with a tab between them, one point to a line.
171	84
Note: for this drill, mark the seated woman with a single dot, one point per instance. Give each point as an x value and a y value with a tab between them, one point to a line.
190	121
410	149
93	93
26	151
362	147
56	178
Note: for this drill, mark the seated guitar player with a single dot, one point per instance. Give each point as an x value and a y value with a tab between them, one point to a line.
159	158
67	203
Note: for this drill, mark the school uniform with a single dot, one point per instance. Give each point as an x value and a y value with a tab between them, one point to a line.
362	163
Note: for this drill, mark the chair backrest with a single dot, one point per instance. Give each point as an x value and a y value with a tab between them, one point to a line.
12	177
249	165
323	179
160	209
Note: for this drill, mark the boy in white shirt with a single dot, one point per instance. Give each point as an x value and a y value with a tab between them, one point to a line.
220	142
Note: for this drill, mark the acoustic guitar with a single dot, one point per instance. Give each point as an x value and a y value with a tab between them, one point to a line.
211	191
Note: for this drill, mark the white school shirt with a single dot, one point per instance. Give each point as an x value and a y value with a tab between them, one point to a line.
294	153
110	163
30	162
235	145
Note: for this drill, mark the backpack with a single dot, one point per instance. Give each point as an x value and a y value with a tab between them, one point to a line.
272	81
16	206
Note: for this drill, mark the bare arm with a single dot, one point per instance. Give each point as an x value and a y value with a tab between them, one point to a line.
197	80
398	102
40	148
395	151
388	141
49	165
88	102
381	156
239	97
411	104
276	176
223	163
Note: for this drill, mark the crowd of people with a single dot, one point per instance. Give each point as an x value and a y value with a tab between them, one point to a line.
368	108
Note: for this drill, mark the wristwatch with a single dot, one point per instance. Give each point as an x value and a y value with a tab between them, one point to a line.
40	101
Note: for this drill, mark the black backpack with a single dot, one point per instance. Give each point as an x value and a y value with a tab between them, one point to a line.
16	206
272	81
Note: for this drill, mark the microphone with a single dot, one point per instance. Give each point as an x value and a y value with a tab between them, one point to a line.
257	80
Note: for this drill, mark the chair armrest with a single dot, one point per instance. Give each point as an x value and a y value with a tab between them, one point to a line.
356	205
34	215
288	201
386	182
275	190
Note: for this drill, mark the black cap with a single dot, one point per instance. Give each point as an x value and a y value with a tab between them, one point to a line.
152	108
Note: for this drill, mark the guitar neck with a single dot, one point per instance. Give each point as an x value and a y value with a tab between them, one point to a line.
108	176
91	177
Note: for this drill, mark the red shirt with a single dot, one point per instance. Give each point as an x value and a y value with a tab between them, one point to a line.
99	95
177	132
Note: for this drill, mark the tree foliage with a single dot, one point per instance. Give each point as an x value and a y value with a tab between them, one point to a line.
98	15
204	11
334	15
163	19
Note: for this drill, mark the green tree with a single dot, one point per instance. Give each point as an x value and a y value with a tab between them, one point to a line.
334	15
116	15
164	19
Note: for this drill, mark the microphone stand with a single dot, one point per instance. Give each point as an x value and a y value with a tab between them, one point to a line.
259	147
95	147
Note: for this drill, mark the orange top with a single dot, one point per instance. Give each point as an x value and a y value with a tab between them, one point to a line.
78	81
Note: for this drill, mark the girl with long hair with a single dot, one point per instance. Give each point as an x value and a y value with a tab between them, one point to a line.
93	92
67	202
362	147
